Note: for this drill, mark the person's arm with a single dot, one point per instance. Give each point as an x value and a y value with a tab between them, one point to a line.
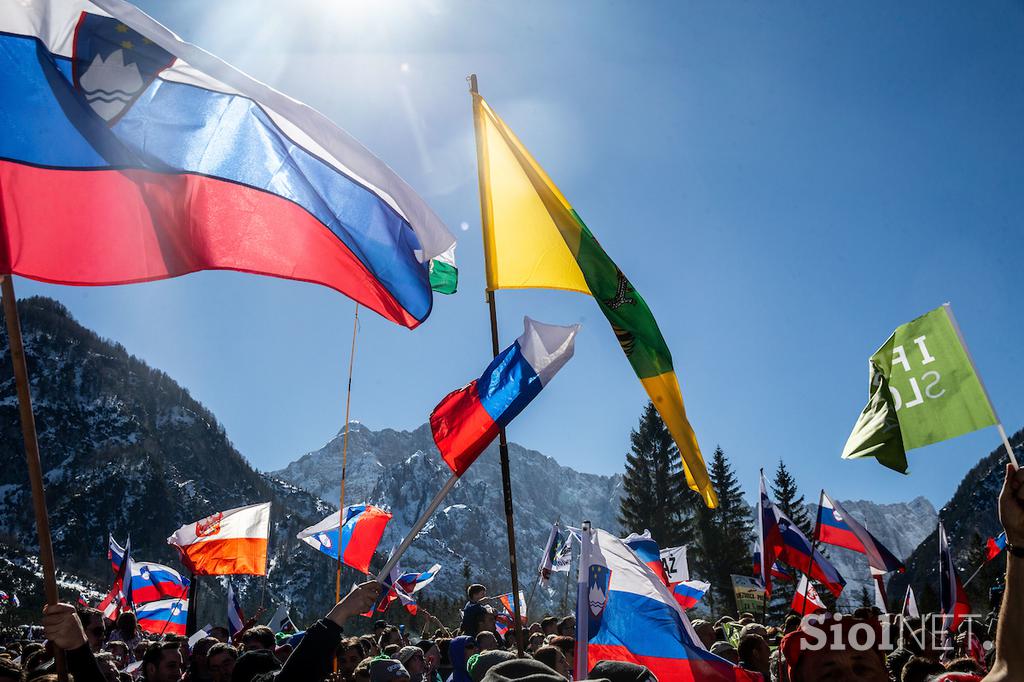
62	627
1009	662
312	658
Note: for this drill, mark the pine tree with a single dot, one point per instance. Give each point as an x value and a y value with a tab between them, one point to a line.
656	495
725	535
790	501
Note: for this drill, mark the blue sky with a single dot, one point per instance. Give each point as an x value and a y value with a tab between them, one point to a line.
783	182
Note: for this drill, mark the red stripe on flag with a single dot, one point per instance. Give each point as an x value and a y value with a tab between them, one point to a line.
462	428
98	227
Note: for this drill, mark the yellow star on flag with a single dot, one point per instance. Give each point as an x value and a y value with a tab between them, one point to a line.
127	44
121	28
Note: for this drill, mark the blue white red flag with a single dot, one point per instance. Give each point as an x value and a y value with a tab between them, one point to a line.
408	584
357	540
115	552
837	527
779	572
689	592
236	617
626	613
784	541
557	554
82	601
466	421
167	616
995	546
952	597
648	551
152	582
129	155
119	599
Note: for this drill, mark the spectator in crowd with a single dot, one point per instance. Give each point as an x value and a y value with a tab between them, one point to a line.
459	651
552	657
411	658
753	653
127	631
162	662
92	623
258	637
431	660
479	664
220	659
486	641
549	625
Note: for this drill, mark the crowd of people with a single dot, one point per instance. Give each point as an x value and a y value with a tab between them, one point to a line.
866	646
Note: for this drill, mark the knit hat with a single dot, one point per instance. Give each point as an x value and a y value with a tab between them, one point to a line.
387	669
522	669
622	671
478	664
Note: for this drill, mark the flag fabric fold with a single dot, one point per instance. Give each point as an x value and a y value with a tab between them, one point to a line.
231	542
648	551
923	388
557	554
626	613
356	540
537	240
910	609
236	617
467	420
837	527
129	155
115	552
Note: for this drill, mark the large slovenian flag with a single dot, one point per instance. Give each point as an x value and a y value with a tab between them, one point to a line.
167	616
466	421
357	538
152	582
837	527
129	155
626	613
232	542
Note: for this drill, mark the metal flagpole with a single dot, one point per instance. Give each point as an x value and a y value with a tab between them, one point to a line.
35	470
344	451
810	559
417	527
506	477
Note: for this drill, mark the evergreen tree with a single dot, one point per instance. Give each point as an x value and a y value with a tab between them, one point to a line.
725	535
790	500
656	495
865	598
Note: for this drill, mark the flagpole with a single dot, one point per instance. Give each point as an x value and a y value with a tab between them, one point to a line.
193	606
981	382
417	527
976	572
344	452
35	469
506	476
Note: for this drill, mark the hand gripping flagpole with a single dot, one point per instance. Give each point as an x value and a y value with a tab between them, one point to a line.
35	471
506	477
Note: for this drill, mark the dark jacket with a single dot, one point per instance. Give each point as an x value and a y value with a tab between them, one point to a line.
313	658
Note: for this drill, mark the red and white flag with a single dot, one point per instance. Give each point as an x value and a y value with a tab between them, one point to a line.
232	542
806	599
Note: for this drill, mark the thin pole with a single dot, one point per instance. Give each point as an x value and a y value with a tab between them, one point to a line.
417	527
582	589
344	449
506	476
976	572
35	469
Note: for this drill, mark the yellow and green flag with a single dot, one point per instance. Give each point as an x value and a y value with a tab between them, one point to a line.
534	239
923	389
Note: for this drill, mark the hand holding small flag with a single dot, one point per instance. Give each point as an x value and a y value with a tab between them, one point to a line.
359	600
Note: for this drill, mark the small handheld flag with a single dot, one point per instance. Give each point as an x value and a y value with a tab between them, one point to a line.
952	597
232	542
167	616
995	546
557	554
466	421
910	604
114	554
356	540
689	592
806	599
152	582
924	388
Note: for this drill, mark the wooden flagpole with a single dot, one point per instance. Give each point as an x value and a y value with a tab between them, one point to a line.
344	451
506	477
35	470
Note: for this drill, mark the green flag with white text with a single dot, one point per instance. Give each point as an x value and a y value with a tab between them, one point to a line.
924	388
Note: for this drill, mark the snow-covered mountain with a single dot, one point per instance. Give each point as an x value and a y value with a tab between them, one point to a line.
403	470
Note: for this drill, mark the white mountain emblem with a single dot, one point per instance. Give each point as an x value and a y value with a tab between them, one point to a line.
109	85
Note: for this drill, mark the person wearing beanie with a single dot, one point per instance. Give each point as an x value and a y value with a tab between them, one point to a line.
621	671
523	669
459	651
479	664
384	669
